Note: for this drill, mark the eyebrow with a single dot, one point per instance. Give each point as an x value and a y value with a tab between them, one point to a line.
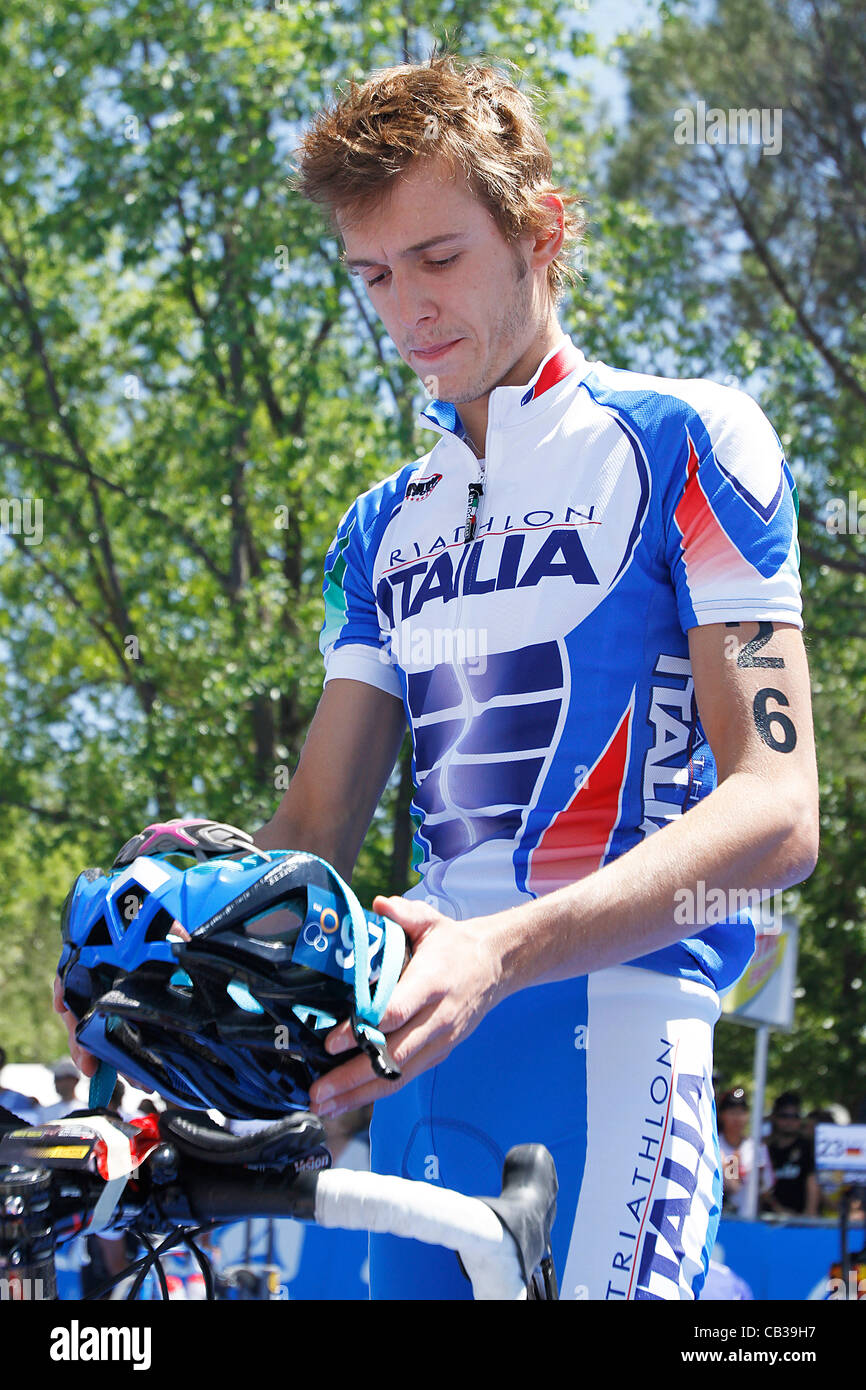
410	250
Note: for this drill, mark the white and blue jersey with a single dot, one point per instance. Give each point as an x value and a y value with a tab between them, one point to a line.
544	665
541	654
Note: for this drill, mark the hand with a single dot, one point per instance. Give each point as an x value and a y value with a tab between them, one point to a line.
85	1063
453	979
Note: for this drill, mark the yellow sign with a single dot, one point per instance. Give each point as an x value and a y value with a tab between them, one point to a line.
765	964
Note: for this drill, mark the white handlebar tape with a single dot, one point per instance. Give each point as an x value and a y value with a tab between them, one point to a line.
397	1206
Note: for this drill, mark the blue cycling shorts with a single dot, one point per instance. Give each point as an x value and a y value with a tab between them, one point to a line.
613	1073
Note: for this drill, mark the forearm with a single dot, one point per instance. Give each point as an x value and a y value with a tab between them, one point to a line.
347	757
744	836
288	829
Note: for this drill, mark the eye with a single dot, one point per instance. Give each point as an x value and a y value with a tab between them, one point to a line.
435	265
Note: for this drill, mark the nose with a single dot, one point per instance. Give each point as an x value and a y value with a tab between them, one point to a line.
412	300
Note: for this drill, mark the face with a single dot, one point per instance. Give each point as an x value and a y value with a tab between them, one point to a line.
787	1121
735	1121
462	305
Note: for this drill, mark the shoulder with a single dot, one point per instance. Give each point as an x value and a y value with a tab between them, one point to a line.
379	503
641	391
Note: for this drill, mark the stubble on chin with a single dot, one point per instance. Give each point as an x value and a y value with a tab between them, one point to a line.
508	329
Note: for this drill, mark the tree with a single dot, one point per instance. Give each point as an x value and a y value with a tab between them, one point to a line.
191	393
769	291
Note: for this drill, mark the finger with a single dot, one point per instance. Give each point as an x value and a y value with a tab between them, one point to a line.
340	1039
415	918
415	995
376	1090
357	1099
410	995
423	1032
85	1063
403	1006
343	1079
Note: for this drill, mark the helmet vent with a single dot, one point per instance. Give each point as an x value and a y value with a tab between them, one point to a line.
129	901
99	934
159	928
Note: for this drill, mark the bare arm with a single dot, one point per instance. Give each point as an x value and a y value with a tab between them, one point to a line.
757	830
349	753
813	1196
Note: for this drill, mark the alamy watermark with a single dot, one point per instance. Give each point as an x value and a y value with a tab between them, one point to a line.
22	516
837	1289
705	907
17	1290
77	1343
411	645
736	126
846	516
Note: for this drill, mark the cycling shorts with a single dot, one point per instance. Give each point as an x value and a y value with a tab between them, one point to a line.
613	1073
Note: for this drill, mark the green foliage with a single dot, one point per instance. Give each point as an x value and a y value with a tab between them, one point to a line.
191	389
189	385
760	257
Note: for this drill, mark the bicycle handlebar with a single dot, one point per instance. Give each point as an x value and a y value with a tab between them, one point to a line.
186	1173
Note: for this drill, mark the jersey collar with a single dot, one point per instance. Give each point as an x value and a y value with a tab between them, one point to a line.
514	404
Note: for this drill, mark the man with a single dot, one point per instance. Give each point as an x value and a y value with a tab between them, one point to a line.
584	559
792	1155
603	550
66	1076
738	1156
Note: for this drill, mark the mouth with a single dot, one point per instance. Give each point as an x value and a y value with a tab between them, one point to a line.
433	354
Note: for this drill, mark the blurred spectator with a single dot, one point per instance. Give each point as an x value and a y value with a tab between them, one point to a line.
738	1155
116	1104
792	1154
66	1077
22	1107
817	1117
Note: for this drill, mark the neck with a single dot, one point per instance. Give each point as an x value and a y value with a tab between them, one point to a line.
474	413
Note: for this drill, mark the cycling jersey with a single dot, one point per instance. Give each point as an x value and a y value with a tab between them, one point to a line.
531	611
539	645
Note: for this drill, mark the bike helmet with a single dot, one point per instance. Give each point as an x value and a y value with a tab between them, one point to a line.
196	839
172	988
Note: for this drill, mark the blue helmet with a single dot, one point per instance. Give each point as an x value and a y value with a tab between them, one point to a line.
216	985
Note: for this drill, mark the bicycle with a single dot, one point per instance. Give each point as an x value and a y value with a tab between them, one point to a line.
181	1177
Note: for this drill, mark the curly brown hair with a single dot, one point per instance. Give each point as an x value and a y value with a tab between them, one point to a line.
468	112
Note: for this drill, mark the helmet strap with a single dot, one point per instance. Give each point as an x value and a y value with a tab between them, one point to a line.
102	1085
368	1010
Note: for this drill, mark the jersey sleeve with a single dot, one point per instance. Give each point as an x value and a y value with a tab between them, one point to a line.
351	641
731	515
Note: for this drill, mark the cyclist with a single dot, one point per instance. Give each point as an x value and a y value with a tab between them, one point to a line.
584	601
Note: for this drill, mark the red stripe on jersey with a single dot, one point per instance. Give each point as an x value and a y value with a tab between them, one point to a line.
708	550
576	841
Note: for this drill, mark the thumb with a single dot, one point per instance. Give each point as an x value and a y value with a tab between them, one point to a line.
416	918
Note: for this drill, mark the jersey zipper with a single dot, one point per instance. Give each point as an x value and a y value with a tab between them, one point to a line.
476	492
474	508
